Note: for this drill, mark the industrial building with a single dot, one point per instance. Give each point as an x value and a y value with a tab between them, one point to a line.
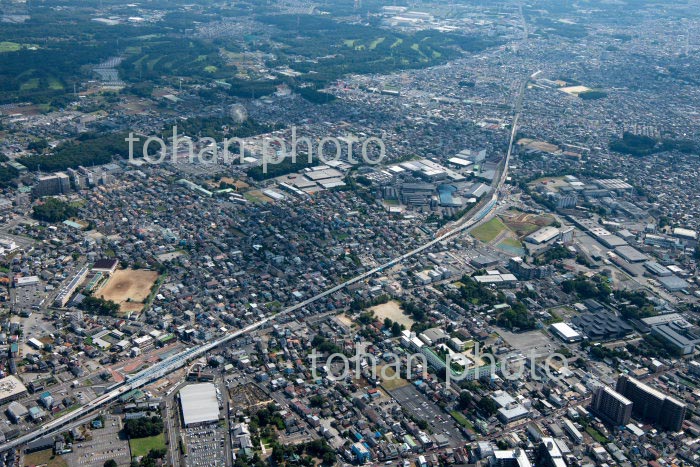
653	405
544	235
565	332
657	269
631	254
678	335
199	404
611	406
601	325
673	283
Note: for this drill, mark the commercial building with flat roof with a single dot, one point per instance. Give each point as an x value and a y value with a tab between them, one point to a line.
199	404
11	388
651	404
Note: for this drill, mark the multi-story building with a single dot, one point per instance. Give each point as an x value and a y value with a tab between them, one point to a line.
651	404
49	185
613	407
509	458
526	272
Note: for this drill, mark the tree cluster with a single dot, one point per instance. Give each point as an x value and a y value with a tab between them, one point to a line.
143	427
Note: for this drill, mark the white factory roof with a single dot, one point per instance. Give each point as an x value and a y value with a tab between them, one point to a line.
543	235
687	233
460	161
199	403
565	330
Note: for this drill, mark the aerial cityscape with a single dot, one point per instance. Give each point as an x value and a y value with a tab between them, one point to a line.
372	233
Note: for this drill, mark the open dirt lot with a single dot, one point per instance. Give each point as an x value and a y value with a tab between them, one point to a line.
523	224
393	311
133	285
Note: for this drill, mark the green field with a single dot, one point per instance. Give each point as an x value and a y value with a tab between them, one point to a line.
46	458
55	84
30	84
9	46
376	42
141	446
461	419
488	231
596	435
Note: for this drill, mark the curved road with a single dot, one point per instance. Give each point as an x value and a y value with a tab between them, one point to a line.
172	363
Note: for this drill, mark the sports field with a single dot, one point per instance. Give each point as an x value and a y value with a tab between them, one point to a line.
393	311
128	288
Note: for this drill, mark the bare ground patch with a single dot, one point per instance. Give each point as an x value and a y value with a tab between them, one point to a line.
128	288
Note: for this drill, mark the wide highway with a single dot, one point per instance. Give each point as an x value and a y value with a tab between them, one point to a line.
174	362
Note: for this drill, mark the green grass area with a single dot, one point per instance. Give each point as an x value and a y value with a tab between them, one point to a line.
55	84
6	46
349	42
555	318
686	382
46	458
596	435
488	231
461	419
396	43
376	42
30	84
211	69
142	446
512	242
68	410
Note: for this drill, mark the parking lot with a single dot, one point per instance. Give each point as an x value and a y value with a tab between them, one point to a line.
205	446
105	444
420	407
29	297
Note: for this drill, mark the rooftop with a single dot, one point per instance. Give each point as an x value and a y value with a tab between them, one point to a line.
199	404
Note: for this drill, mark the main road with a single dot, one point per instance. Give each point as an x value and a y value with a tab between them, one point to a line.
174	362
